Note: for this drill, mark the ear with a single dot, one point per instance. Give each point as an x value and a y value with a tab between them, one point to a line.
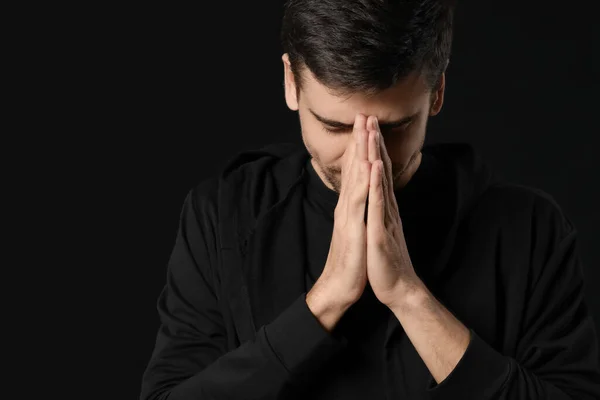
289	84
437	97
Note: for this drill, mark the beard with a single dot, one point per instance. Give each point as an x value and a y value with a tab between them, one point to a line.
333	173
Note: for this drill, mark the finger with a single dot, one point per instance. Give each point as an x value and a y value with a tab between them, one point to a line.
381	151
388	174
376	212
374	153
348	157
347	163
350	152
361	169
371	123
387	162
361	137
358	192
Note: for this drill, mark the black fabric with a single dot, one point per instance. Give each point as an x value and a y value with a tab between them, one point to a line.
365	322
416	199
502	257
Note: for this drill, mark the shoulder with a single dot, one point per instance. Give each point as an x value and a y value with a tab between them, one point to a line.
250	183
522	207
204	194
243	169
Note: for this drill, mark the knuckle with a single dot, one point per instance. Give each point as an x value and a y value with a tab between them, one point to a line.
358	197
378	239
363	169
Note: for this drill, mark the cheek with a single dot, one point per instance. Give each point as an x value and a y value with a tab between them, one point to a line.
329	149
400	148
331	152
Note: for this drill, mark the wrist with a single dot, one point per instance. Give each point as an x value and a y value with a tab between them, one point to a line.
326	307
408	297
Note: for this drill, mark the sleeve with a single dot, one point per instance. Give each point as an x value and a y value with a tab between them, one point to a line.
190	359
557	355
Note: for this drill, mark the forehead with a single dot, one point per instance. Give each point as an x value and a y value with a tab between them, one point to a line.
406	97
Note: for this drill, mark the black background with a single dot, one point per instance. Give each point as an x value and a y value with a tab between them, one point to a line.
188	86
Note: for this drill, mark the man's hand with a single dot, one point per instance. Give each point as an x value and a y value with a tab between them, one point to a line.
389	268
344	276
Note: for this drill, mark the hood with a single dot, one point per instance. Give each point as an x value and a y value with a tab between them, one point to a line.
263	179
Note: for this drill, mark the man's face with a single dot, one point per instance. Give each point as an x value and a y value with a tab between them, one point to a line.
409	103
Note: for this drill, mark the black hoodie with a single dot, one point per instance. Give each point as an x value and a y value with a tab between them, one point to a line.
502	257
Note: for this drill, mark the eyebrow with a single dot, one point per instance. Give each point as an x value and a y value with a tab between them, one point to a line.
383	125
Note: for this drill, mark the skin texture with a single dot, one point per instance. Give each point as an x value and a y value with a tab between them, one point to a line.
328	151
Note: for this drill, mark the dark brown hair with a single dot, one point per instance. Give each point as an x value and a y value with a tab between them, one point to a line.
367	45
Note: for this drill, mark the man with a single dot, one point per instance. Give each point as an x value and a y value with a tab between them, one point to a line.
364	265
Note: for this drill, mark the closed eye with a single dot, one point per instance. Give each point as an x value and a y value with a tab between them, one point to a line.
342	131
336	131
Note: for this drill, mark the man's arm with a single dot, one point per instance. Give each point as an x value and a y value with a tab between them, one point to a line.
558	357
190	358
